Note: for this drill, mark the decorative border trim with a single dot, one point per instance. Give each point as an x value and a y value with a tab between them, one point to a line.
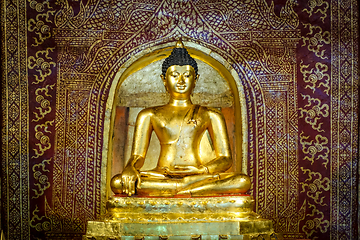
344	122
15	121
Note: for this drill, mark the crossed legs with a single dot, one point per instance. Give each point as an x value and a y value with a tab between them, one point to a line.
197	185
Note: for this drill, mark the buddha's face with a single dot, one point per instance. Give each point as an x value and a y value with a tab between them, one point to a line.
180	81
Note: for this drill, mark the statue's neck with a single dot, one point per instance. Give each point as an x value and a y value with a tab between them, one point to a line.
180	102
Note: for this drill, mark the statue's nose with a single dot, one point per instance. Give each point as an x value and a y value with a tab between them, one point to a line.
181	79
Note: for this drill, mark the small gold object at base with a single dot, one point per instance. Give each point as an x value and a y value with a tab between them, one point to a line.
223	217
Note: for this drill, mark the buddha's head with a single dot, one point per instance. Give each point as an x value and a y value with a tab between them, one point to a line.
179	72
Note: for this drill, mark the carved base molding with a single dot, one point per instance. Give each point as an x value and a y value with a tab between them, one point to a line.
147	218
245	230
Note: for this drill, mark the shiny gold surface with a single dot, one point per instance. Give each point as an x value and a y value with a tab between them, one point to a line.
183	209
181	218
181	231
179	126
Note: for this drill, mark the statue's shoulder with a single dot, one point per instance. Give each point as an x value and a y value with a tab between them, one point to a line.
151	111
146	112
212	112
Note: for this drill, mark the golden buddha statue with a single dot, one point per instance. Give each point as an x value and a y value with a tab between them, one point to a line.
220	209
179	126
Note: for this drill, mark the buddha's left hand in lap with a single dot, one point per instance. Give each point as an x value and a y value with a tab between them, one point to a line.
183	170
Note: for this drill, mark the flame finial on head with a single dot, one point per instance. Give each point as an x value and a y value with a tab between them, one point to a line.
179	44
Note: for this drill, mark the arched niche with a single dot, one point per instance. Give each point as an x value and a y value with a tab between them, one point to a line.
158	53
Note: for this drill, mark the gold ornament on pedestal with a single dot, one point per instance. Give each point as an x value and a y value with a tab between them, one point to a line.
184	196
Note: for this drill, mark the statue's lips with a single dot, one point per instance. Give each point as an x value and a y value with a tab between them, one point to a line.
180	87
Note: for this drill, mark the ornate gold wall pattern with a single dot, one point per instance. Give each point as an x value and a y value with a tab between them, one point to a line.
298	65
315	150
15	119
38	223
39	6
42	64
42	134
315	113
42	180
40	25
316	75
45	107
317	223
322	7
315	188
344	86
317	40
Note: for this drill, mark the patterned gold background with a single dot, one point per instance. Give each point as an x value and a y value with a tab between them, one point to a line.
298	63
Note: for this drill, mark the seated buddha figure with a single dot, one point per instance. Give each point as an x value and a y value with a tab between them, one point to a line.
180	126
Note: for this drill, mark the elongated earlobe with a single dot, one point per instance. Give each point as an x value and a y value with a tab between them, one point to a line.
164	82
196	79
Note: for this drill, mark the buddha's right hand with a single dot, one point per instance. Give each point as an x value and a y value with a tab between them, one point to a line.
129	177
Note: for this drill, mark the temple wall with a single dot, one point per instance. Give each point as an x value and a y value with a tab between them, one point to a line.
289	80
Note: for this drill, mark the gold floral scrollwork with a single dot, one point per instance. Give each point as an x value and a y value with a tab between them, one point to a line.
288	16
317	222
43	180
39	6
313	114
40	225
44	103
42	64
317	3
318	148
40	27
44	144
315	185
317	41
315	75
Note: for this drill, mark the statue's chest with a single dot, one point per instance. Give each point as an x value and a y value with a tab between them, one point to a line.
177	126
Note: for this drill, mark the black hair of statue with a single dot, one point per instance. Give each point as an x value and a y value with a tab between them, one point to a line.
181	57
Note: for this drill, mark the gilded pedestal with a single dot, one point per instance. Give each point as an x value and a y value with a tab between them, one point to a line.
225	217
